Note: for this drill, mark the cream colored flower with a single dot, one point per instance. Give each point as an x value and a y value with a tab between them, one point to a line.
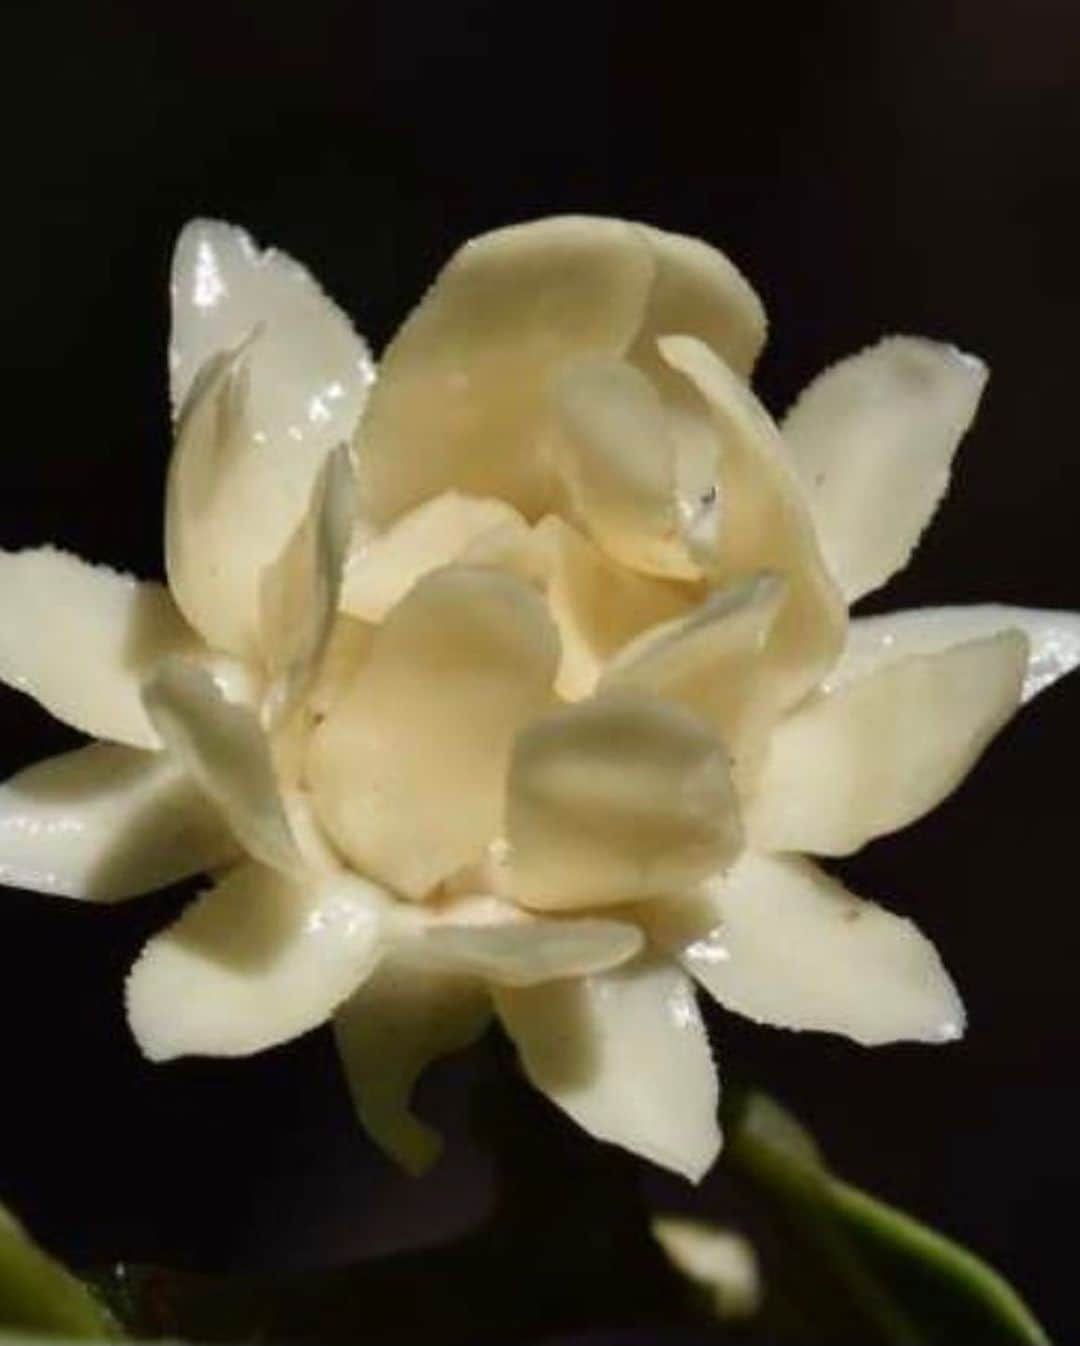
537	718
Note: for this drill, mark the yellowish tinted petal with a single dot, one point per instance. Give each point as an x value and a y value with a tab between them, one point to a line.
873	642
223	747
779	941
299	592
255	961
618	798
382	569
401	1018
625	1054
408	767
765	524
80	638
873	439
882	750
105	823
461	394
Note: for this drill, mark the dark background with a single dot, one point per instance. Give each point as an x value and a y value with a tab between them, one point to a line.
874	167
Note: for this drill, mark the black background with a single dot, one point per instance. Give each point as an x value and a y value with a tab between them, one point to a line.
874	167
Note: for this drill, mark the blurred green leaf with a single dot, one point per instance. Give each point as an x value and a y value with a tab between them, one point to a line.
38	1295
878	1272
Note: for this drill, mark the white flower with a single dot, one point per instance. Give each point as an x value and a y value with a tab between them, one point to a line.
539	715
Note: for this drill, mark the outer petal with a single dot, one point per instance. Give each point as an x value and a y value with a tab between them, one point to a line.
778	940
299	592
80	639
873	439
882	750
712	661
461	395
765	523
226	752
407	769
255	961
598	606
618	798
402	1018
874	642
105	823
625	1054
383	569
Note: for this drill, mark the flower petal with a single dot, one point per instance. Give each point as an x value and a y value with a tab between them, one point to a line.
80	638
525	952
873	642
298	593
882	750
765	523
105	823
873	438
780	941
383	569
311	373
625	1054
619	465
597	605
399	1020
407	769
255	961
461	394
711	662
615	799
226	752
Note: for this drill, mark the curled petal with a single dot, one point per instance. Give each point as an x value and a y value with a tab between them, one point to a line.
873	439
80	638
255	961
104	823
618	798
765	525
299	592
462	388
383	569
873	642
625	1054
402	1018
882	750
224	749
780	941
407	769
597	605
711	661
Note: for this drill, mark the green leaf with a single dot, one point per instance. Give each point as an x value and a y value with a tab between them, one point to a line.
898	1282
37	1294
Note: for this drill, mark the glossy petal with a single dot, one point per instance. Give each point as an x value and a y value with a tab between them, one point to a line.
255	961
299	592
80	638
873	438
882	750
383	569
711	661
618	798
408	767
226	752
460	402
618	463
403	1017
766	526
780	941
624	1053
598	606
873	642
105	823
